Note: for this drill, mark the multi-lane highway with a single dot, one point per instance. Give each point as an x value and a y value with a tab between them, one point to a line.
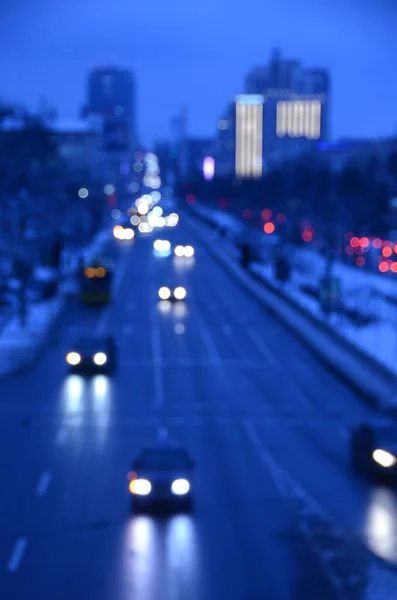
264	419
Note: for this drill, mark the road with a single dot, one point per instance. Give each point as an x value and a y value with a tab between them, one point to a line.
264	419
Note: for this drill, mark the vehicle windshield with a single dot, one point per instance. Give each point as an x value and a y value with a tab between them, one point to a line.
164	459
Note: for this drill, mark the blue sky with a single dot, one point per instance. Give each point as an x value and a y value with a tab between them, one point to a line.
196	53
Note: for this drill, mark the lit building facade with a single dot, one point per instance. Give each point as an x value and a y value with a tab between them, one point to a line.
249	136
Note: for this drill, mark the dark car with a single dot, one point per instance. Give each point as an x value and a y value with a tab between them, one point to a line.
161	477
374	451
94	354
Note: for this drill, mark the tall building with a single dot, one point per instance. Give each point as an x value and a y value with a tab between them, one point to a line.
111	95
249	136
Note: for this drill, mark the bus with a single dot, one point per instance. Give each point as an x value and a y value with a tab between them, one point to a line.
95	282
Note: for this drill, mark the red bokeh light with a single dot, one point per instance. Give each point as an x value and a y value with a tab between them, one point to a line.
377	243
393	267
190	198
387	251
355	242
266	214
281	218
383	266
360	261
349	250
247	213
269	227
364	242
222	203
307	236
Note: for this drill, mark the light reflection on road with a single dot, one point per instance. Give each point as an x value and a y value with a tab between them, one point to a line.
167	546
381	524
73	399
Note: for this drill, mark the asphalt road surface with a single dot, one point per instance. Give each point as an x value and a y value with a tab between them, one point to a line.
264	419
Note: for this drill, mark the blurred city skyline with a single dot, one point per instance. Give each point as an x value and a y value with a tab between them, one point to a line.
187	55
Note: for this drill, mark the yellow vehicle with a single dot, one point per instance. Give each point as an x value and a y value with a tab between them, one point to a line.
96	283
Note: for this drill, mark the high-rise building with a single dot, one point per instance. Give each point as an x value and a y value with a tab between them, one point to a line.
111	95
249	136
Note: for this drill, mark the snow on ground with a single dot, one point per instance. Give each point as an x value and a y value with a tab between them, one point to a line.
370	293
20	345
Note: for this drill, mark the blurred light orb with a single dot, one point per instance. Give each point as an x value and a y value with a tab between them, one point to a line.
164	293
83	193
143	209
156	196
119	110
179	251
135	220
179	293
134	187
129	233
138	167
116	213
109	189
189	251
158	211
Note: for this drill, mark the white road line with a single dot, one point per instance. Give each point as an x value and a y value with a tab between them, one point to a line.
17	554
273	362
157	358
101	324
262	347
60	436
227	330
44	482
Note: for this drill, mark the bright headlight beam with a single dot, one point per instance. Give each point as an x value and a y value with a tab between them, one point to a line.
140	487
384	458
73	358
100	359
164	293
180	487
179	293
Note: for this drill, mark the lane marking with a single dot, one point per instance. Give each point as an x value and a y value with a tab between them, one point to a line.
262	347
273	362
17	554
44	482
102	322
157	359
227	330
60	436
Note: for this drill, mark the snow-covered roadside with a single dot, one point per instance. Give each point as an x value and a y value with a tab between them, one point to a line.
20	346
371	294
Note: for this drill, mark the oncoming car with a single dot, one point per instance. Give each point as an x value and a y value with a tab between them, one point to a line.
92	355
161	477
172	294
374	451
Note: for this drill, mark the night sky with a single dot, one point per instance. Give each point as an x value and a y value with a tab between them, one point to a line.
196	53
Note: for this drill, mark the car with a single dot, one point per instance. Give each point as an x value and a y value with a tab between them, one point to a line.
374	451
161	476
92	354
173	294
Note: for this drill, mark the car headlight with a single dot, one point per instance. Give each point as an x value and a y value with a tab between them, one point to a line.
179	293
189	251
384	458
180	487
179	251
164	293
100	358
73	358
140	487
